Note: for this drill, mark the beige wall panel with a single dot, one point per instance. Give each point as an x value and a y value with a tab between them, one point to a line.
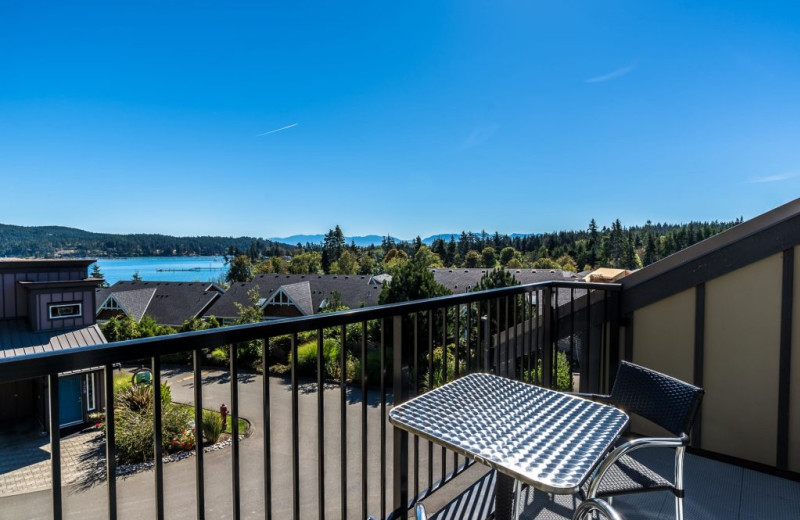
663	339
794	399
740	373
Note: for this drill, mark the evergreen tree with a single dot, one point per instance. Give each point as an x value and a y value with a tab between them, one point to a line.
97	273
592	249
488	257
495	279
411	281
240	269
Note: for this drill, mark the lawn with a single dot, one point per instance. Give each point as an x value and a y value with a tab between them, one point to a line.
243	425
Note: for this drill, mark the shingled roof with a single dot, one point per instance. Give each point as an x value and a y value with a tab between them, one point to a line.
354	290
460	280
169	303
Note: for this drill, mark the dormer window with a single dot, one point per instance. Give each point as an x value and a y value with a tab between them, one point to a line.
65	310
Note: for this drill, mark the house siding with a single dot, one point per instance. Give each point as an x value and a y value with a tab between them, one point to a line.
41	320
663	338
794	393
741	365
14	298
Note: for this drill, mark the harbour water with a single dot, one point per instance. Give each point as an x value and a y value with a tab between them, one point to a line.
163	268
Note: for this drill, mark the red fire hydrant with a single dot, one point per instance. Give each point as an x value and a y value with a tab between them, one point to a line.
223	411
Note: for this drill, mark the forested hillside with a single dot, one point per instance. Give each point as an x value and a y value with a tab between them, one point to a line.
52	241
614	246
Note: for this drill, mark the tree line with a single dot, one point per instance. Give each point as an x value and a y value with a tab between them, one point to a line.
614	246
53	241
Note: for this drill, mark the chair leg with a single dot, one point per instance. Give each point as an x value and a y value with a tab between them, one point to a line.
679	454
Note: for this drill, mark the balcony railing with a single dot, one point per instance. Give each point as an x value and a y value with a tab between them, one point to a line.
540	333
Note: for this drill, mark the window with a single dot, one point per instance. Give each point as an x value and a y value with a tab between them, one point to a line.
66	310
91	405
110	303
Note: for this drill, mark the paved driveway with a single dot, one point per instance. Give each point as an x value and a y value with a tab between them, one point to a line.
136	493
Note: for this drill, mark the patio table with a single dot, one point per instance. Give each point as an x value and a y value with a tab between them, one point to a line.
547	439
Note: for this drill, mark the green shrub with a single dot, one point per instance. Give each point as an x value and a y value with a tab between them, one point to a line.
374	366
279	348
219	356
212	425
249	353
140	397
135	398
438	367
563	373
121	382
307	358
279	369
134	431
353	368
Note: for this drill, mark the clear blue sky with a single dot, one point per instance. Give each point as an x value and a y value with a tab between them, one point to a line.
407	118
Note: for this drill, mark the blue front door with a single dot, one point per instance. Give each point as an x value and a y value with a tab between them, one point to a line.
69	399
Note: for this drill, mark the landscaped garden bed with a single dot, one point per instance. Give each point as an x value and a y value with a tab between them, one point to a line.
133	413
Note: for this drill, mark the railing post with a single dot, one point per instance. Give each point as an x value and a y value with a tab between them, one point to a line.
55	443
547	336
111	449
400	377
486	340
614	324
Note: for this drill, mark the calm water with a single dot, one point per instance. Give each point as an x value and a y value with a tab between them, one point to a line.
165	269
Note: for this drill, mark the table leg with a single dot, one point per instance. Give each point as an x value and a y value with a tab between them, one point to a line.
504	497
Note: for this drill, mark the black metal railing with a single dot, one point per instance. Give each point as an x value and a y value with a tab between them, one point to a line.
540	333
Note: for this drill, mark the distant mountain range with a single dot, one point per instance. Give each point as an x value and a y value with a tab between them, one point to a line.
369	240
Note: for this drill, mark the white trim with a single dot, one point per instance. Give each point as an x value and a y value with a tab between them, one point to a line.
52	306
91	396
110	303
288	303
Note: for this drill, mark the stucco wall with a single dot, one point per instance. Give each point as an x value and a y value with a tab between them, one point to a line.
740	376
663	339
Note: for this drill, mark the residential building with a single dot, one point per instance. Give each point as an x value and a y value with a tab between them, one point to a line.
48	306
168	303
287	295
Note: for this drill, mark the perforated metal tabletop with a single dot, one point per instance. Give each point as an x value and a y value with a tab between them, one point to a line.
544	438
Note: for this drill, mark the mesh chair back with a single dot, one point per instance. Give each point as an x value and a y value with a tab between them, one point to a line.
668	402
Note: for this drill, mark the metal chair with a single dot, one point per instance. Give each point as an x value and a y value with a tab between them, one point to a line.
664	400
592	505
420	512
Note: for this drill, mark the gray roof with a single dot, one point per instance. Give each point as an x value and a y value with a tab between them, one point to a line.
17	338
461	280
135	302
169	303
355	291
300	293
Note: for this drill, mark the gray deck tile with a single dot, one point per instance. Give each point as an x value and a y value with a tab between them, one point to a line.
765	496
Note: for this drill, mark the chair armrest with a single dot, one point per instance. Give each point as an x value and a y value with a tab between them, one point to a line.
600	398
595	504
627	447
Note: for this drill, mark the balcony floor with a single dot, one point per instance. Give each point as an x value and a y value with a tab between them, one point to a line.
714	490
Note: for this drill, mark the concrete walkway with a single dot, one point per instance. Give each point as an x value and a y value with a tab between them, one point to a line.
25	461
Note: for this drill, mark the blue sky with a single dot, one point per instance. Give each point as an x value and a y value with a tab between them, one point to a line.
408	118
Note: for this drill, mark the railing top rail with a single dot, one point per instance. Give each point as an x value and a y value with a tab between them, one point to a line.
36	365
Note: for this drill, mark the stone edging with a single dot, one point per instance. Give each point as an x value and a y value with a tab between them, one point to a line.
130	469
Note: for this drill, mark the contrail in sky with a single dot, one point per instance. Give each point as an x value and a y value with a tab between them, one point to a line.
278	129
612	75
